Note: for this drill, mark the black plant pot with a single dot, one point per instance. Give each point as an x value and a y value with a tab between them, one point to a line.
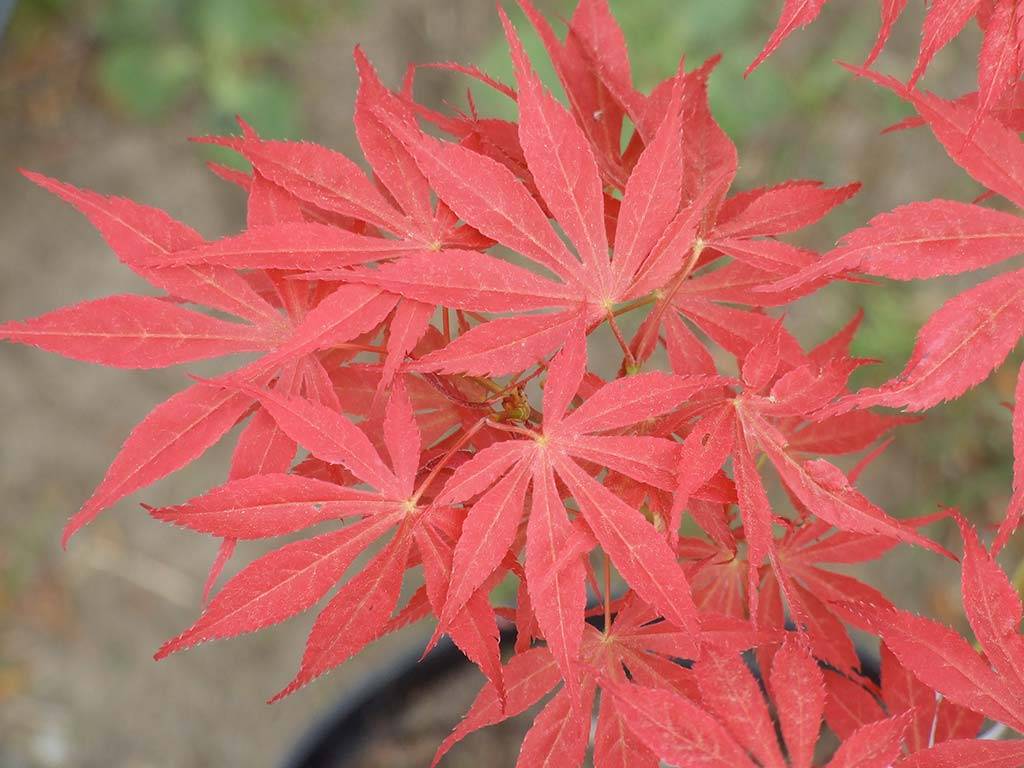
341	738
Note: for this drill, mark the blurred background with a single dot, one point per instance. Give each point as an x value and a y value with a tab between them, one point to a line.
103	93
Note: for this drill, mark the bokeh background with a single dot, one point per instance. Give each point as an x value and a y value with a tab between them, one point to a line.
103	93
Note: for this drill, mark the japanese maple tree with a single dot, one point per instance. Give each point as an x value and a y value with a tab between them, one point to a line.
421	399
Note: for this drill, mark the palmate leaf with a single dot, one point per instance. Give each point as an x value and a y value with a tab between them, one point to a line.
562	165
959	346
921	240
676	729
171	436
265	505
734	727
306	246
390	161
281	584
475	282
974	332
943	660
355	615
143	332
324	178
646	562
140	235
135	332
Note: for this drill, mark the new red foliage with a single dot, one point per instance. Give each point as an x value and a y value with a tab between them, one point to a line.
403	321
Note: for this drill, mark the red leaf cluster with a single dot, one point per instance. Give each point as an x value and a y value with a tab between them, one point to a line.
420	404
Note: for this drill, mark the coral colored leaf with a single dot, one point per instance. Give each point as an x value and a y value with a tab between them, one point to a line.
994	610
487	196
968	753
634	399
300	246
563	166
795	14
402	438
1015	512
263	448
269	505
320	176
676	729
703	452
269	204
1000	58
487	533
555	583
565	374
528	676
826	491
139	234
686	353
651	198
674	246
330	436
346	313
481	471
797	686
136	233
757	514
845	433
767	256
557	738
355	615
615	744
390	160
920	240
783	208
959	346
936	718
408	325
468	280
174	434
594	81
130	331
941	659
280	584
598	44
945	20
646	459
709	156
849	705
874	745
642	557
891	12
731	693
474	630
501	346
762	361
